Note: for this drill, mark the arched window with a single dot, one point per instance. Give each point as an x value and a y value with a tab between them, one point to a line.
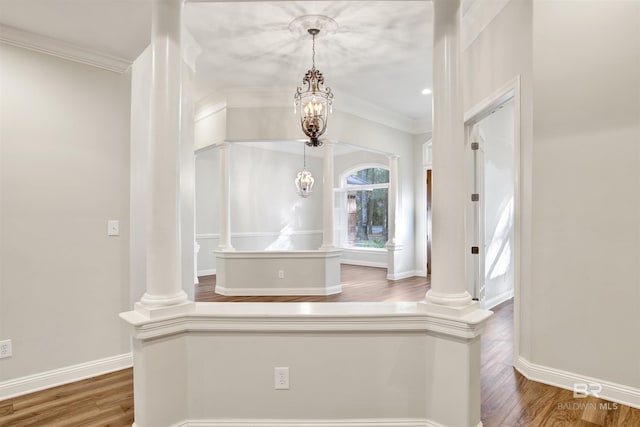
367	204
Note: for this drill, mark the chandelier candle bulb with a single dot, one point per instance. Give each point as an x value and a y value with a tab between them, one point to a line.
315	98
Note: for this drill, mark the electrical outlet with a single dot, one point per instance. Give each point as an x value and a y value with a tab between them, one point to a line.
281	378
5	349
280	274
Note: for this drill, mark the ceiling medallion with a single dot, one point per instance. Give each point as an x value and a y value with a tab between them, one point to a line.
313	99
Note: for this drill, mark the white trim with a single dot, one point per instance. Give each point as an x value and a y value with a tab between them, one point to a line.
250	234
619	393
403	275
420	273
210	110
358	167
312	254
477	18
69	374
205	236
60	49
368	422
237	292
483	108
363	263
497	300
364	250
207	272
304	317
510	89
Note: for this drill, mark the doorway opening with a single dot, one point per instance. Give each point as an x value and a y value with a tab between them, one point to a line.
492	130
491	205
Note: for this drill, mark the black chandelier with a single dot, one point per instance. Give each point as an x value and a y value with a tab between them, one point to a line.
314	101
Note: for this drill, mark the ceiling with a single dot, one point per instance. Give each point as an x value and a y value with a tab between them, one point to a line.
381	52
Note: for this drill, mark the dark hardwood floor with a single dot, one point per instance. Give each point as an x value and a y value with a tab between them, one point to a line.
508	399
358	284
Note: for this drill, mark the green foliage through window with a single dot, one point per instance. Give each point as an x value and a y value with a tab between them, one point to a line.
367	208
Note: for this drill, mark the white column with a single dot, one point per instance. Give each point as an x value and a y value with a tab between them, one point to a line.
327	197
162	202
394	248
393	199
225	200
449	251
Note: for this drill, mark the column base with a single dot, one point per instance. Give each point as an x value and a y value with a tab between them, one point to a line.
164	311
394	270
225	248
458	304
157	301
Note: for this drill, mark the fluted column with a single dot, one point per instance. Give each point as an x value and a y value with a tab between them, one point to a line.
327	197
225	200
163	287
449	252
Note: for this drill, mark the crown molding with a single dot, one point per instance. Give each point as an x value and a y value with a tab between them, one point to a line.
60	49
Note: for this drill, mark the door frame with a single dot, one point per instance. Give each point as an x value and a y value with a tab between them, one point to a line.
512	89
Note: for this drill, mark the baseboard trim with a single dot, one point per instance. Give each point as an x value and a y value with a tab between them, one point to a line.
420	273
243	292
370	422
69	374
497	300
363	263
208	272
402	275
610	391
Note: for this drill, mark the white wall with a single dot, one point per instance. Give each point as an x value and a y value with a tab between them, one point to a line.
281	124
499	54
497	198
357	131
266	211
388	359
580	236
64	138
342	163
420	214
585	295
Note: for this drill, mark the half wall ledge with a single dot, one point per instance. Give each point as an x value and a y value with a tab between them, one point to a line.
387	363
271	273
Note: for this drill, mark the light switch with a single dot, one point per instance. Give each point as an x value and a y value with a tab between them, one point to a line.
113	227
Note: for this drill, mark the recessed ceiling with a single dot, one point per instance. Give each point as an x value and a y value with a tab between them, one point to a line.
381	52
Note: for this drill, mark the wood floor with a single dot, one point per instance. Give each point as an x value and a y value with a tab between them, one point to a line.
508	399
358	284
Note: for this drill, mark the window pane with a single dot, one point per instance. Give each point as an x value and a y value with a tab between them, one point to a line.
367	221
368	176
367	209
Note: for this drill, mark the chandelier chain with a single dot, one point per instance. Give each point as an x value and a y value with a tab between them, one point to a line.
313	49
